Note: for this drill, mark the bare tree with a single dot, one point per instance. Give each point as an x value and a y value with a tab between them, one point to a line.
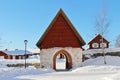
0	43
101	27
101	23
117	43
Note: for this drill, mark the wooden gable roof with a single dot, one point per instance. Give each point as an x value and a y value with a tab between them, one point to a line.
98	36
52	25
2	53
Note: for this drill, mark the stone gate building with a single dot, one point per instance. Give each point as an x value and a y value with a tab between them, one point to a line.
60	37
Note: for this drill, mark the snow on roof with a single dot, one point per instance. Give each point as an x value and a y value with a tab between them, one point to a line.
106	50
34	50
93	38
16	52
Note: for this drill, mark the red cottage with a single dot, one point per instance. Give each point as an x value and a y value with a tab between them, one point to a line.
16	54
96	42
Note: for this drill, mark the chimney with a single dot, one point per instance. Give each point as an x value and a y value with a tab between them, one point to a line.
16	49
6	49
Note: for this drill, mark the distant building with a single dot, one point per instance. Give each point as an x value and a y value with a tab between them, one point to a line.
96	42
18	54
2	55
61	37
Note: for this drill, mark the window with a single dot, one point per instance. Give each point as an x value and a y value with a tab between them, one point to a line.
13	57
19	57
100	40
8	56
95	45
103	45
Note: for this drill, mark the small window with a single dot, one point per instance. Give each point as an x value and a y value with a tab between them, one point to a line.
19	57
13	57
8	56
103	45
100	40
95	45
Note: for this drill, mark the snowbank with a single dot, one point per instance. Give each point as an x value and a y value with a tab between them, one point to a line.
12	73
92	69
106	50
4	62
111	60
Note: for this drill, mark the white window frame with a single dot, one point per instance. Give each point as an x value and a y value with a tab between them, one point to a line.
95	45
13	57
23	57
103	44
19	57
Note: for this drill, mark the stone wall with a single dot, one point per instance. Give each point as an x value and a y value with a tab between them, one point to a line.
46	56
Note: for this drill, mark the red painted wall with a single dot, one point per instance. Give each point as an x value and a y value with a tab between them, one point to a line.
6	56
2	53
97	40
60	35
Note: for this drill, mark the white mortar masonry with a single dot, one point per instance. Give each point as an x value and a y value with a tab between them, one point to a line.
46	56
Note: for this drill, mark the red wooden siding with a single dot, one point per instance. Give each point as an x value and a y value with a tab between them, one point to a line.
60	35
2	53
11	57
6	56
16	57
97	40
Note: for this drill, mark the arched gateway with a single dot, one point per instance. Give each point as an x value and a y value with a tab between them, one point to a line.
68	59
60	37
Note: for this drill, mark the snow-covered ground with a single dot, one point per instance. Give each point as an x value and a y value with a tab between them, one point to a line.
32	59
60	62
92	69
106	50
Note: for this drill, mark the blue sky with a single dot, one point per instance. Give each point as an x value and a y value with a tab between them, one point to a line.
28	19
